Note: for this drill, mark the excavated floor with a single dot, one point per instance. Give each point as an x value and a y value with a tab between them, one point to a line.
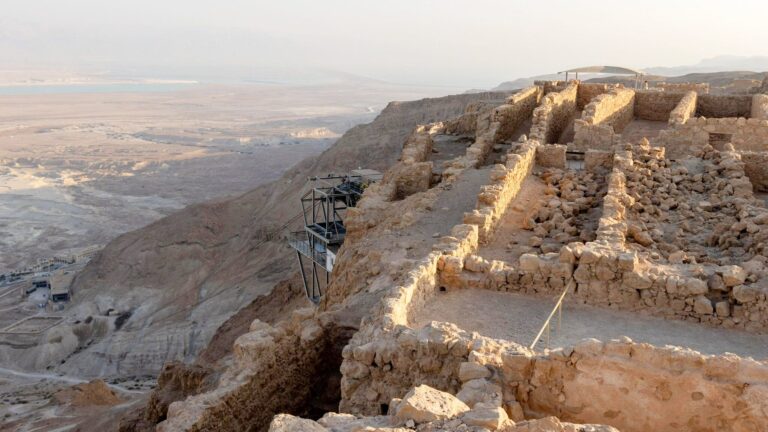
518	318
638	129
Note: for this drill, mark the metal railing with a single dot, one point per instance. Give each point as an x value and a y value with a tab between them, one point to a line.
558	309
298	240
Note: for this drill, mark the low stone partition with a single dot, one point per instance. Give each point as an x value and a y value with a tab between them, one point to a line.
700	88
684	110
598	160
759	107
723	106
603	119
756	168
551	156
588	91
554	113
686	139
551	86
656	105
506	183
518	108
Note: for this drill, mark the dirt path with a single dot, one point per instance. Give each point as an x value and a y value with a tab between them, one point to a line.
458	198
518	318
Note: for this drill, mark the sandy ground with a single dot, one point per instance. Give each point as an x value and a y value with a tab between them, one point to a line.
639	129
518	318
79	169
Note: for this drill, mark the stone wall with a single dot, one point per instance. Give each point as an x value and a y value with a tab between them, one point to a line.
589	91
700	88
551	86
756	168
511	115
506	181
603	119
274	370
760	107
551	156
656	105
686	139
554	113
598	160
719	106
684	110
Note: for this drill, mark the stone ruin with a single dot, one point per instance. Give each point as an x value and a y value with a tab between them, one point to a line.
641	206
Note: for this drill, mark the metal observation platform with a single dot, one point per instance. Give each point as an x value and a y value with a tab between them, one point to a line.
324	208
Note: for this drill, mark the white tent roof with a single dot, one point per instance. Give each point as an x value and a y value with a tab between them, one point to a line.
616	70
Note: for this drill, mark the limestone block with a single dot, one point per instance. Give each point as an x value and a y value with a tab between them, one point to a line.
529	262
479	390
695	286
289	423
723	309
485	415
424	404
638	281
469	371
476	264
702	305
745	293
733	275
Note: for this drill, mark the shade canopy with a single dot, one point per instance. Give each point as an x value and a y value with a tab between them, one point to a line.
615	70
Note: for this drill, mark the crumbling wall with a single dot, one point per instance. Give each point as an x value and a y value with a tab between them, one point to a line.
506	181
756	168
684	110
603	119
551	86
598	160
588	91
700	88
686	139
656	105
638	387
723	106
554	113
512	114
551	156
759	107
275	371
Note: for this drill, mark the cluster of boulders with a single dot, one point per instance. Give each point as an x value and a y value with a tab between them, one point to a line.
426	409
570	214
687	210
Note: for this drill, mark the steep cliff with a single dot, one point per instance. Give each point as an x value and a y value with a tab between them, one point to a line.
174	282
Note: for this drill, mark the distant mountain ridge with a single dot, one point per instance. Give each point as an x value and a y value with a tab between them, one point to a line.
722	67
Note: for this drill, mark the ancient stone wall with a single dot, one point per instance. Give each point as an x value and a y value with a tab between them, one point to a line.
656	105
554	113
720	106
551	156
598	160
685	139
505	184
700	88
551	86
756	168
760	107
589	91
511	115
274	371
603	119
684	110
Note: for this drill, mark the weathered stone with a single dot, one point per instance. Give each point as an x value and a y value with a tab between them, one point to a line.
733	275
485	415
469	371
702	305
425	404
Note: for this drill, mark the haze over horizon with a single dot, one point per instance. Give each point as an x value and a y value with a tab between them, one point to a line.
428	42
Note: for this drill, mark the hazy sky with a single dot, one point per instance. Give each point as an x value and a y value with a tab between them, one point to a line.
443	42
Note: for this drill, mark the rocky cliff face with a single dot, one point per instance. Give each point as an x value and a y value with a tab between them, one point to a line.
171	284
